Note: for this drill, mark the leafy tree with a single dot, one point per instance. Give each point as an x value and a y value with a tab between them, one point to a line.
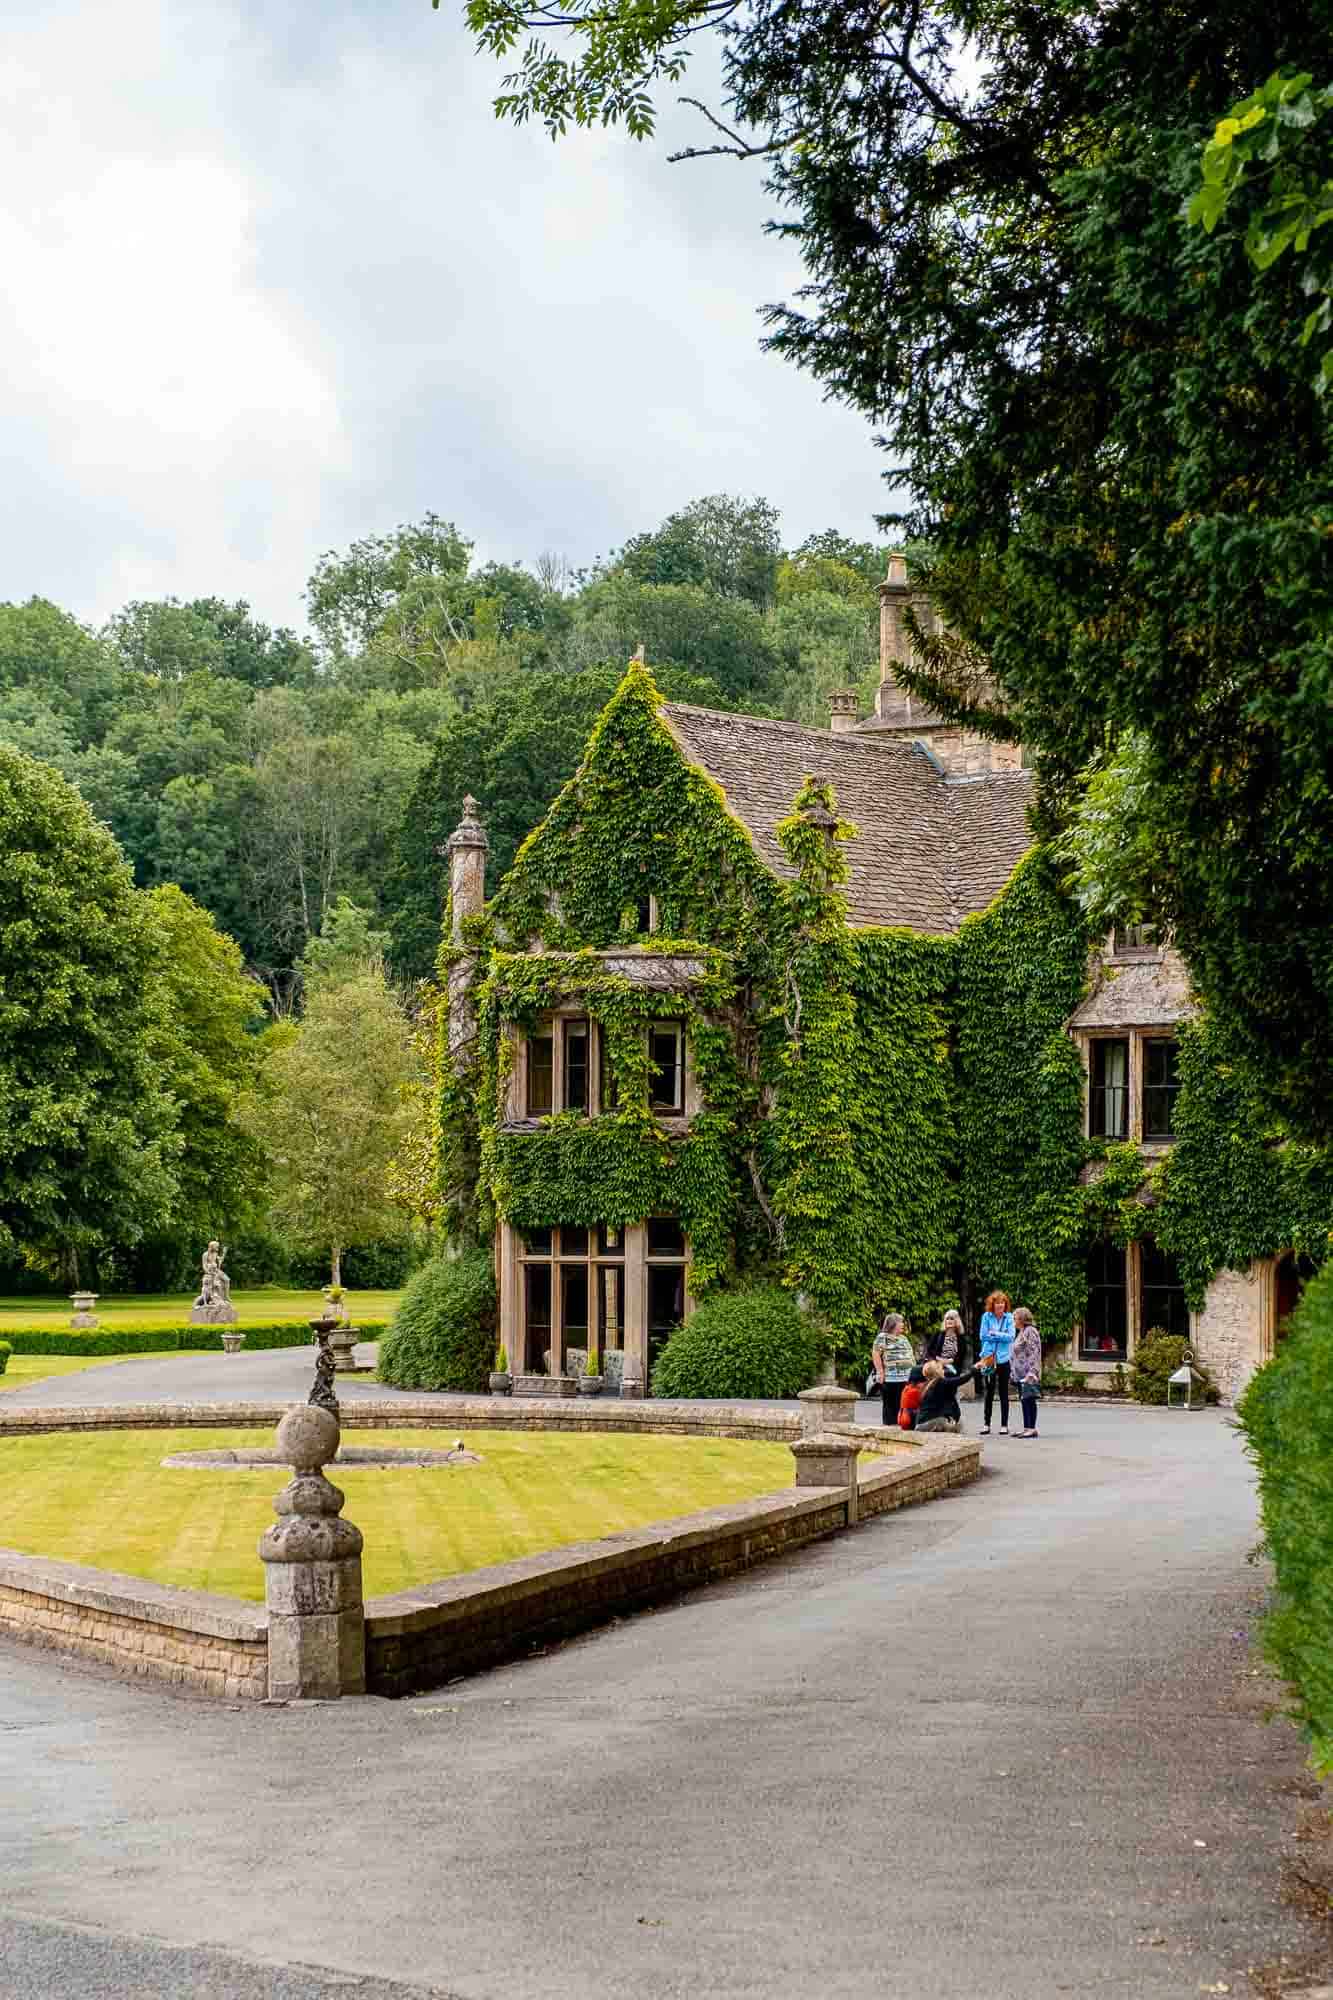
826	640
869	560
332	1114
1113	459
48	654
206	1051
170	641
411	576
682	625
87	1124
347	946
724	543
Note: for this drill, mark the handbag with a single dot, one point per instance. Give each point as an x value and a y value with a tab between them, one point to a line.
874	1387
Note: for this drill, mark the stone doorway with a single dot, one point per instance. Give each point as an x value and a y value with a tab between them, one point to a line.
1292	1272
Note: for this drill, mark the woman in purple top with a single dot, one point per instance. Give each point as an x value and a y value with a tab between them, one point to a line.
1025	1366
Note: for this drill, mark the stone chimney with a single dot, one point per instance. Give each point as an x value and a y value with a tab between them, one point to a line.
466	849
843	704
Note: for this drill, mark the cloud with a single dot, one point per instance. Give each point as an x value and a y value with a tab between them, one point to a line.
278	279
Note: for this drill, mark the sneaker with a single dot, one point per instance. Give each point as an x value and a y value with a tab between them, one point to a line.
984	1432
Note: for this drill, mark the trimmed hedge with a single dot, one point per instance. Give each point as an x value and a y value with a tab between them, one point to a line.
5	1351
443	1334
1287	1416
756	1342
1156	1359
127	1338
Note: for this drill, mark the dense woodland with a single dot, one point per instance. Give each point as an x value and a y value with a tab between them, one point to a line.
278	802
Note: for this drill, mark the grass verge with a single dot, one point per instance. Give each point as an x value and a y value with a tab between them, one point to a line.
105	1499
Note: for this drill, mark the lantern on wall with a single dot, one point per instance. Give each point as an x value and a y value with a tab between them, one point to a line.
1183	1384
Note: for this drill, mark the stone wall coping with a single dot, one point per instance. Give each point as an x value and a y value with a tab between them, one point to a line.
594	1413
200	1611
509	1583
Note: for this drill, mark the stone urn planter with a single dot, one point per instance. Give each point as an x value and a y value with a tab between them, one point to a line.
590	1385
500	1381
83	1303
233	1341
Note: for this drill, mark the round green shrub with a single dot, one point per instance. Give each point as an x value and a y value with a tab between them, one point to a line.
443	1334
1156	1359
745	1343
5	1351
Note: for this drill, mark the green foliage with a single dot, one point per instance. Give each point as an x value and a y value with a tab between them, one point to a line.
1022	971
87	1140
131	1337
752	1342
1287	1415
1157	1355
6	1350
443	1334
347	946
1272	147
729	545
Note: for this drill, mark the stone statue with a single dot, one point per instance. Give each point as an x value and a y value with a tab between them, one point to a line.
213	1307
323	1395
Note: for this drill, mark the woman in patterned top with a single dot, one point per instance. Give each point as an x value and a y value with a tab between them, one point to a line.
891	1358
1025	1366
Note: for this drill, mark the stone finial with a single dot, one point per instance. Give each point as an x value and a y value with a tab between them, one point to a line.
312	1571
844	704
895	577
469	832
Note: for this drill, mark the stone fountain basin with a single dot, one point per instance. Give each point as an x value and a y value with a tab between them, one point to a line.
347	1455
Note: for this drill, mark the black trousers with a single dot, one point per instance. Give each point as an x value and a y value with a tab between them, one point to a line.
1029	1411
998	1378
893	1395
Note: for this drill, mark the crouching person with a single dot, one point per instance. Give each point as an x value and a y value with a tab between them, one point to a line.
939	1409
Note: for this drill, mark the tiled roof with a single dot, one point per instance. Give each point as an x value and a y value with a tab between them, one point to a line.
930	848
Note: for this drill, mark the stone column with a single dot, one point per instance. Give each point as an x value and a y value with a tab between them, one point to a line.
312	1572
825	1406
844	705
826	1462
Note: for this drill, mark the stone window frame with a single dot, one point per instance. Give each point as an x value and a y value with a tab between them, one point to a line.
1136	951
517	1095
1138	1039
635	1260
1134	1329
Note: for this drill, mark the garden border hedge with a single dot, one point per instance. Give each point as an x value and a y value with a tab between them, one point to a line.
127	1338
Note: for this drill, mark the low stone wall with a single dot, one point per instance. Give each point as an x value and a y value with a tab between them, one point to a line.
492	1413
190	1638
418	1639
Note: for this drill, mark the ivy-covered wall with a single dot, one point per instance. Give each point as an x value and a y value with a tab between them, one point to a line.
880	1111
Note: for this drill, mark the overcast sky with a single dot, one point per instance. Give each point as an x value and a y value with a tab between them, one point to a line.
277	278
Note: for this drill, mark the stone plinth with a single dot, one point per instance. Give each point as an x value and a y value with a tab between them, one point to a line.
827	1461
825	1407
561	1386
223	1313
312	1572
343	1341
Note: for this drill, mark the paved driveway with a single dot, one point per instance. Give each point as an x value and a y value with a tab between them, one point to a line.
1004	1745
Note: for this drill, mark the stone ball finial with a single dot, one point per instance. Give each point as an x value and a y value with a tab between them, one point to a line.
308	1437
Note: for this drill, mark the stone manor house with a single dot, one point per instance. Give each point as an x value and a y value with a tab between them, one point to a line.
940	815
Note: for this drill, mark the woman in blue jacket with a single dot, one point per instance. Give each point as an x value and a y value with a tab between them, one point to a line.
997	1341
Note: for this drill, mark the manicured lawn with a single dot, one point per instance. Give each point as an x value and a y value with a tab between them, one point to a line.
267	1302
26	1368
106	1500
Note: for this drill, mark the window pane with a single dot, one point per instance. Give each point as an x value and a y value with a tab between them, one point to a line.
666	1238
643	916
1106	1321
1108	1090
573	1240
610	1239
574	1296
664	1048
1161	1293
1129	938
606	1074
1161	1086
666	1306
541	1075
537	1242
576	1065
610	1306
536	1318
